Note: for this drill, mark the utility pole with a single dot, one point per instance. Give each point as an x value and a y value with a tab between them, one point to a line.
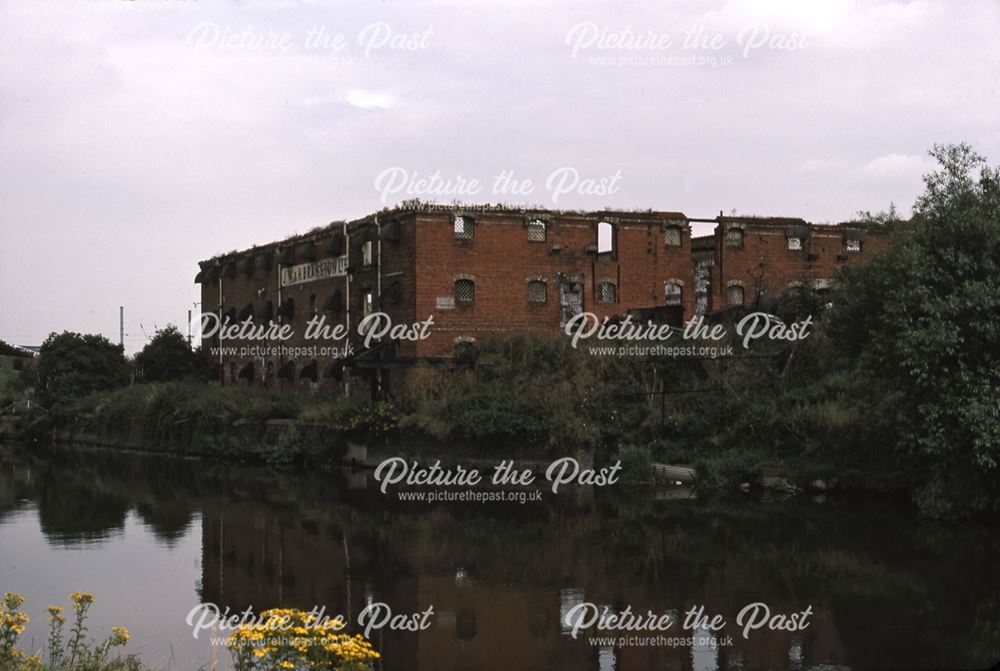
121	325
189	329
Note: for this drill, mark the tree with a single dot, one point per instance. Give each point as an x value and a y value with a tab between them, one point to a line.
920	326
167	357
10	350
884	217
71	365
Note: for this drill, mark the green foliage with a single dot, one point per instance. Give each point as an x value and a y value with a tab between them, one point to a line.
71	365
918	328
76	653
10	350
884	217
166	357
637	463
188	417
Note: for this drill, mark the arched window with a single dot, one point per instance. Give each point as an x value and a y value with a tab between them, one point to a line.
465	290
537	292
607	292
734	238
673	293
734	294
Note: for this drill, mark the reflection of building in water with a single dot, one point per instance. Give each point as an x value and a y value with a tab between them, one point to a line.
492	609
267	561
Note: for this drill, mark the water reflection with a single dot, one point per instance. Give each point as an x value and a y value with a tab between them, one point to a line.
887	590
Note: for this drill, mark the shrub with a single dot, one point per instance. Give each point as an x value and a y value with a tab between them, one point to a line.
75	653
287	638
637	463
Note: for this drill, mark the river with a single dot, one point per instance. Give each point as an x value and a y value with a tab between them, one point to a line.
152	537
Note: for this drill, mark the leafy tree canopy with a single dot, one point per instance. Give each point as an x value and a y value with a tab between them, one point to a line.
71	365
166	356
920	323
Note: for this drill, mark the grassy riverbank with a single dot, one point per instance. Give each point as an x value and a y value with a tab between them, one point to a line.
734	420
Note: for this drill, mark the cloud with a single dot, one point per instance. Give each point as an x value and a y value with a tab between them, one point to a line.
370	99
896	167
130	154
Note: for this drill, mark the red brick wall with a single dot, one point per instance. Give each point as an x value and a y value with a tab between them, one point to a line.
765	264
501	261
427	258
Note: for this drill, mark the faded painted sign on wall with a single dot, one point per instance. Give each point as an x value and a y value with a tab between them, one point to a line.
317	270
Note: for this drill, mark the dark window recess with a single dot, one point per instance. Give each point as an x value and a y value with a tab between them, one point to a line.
309	372
391	294
263	261
306	251
335	245
230	270
390	231
287	309
287	370
265	312
465	227
246	373
246	313
537	292
799	231
854	239
335	303
356	242
465	291
245	265
286	256
607	292
312	305
335	371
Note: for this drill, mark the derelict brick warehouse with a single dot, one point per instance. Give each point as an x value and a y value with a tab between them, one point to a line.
485	272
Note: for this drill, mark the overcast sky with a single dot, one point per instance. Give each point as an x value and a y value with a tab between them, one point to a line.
139	137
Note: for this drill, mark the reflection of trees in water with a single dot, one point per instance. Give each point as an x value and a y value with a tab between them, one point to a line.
169	521
70	514
888	589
